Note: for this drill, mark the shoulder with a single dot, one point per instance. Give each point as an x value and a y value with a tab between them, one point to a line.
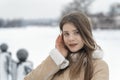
29	62
99	63
100	66
100	70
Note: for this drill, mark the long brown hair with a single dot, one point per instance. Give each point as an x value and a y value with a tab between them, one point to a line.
82	23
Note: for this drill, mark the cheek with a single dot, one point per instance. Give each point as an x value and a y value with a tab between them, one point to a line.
65	40
82	43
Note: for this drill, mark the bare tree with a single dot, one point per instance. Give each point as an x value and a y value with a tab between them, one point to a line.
77	5
114	9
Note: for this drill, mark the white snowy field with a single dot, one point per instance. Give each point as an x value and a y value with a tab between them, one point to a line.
40	40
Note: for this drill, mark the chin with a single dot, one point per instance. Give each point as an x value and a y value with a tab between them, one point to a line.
74	51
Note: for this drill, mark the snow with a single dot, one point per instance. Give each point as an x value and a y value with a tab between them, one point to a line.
40	40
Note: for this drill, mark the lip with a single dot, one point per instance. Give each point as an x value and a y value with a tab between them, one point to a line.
72	45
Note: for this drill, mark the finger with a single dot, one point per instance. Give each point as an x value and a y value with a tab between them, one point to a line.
59	39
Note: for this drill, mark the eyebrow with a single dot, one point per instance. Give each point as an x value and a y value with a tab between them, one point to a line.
73	30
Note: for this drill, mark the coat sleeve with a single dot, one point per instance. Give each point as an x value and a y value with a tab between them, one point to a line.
44	71
101	71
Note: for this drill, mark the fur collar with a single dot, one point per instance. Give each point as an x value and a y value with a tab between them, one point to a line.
97	54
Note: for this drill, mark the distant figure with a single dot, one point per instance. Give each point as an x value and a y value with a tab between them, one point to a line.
14	69
5	62
23	66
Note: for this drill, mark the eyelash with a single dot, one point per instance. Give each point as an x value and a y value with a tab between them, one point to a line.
67	34
77	32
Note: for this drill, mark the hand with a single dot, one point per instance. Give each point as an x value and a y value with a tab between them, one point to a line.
61	46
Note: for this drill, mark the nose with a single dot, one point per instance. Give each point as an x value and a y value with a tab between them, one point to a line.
71	37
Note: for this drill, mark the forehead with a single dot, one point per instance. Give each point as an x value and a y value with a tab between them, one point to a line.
68	27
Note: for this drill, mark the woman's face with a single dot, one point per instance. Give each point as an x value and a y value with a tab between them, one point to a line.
72	37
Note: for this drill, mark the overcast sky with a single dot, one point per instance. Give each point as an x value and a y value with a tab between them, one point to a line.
32	9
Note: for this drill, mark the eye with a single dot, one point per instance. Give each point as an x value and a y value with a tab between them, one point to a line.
76	32
65	34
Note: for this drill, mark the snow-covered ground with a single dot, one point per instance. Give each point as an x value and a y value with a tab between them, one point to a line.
40	40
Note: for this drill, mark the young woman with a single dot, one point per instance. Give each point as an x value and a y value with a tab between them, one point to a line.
76	55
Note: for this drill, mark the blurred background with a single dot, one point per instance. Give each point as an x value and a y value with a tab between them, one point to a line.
32	25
